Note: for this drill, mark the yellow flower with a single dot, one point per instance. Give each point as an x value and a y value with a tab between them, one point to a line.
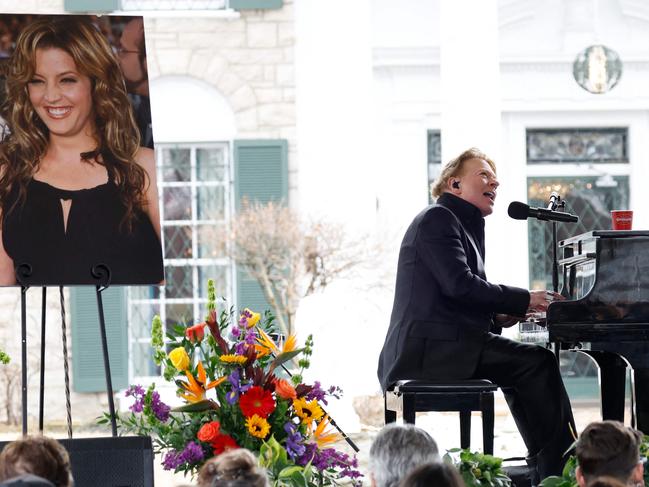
258	426
307	411
252	317
233	359
195	388
322	436
179	358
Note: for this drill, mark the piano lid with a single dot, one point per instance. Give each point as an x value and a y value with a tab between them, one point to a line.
619	294
605	234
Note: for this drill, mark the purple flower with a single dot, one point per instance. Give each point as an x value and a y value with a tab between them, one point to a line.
172	460
160	409
251	337
235	379
138	393
330	458
307	456
236	331
240	348
192	453
316	392
294	446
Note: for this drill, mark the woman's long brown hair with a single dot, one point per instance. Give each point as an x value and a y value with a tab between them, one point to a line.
117	135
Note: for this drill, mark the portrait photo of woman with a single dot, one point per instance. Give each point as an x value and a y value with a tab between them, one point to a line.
76	188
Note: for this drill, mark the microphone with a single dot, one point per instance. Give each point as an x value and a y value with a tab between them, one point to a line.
554	201
521	211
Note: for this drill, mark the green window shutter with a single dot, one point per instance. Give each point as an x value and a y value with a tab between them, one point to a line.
261	174
84	6
87	356
255	4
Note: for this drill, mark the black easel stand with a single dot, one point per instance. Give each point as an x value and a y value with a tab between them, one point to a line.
101	275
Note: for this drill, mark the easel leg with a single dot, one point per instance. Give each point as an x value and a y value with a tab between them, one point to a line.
41	409
104	345
23	329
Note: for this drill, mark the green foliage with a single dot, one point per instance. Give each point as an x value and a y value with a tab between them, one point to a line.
4	358
282	471
478	469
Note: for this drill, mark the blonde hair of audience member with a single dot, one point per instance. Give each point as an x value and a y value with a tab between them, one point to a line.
609	449
234	468
438	474
455	167
37	455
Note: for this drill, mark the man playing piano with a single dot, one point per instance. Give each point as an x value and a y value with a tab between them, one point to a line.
447	318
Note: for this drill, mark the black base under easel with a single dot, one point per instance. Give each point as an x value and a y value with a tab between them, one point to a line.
101	275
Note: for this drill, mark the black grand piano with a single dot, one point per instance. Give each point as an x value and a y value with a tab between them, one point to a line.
605	314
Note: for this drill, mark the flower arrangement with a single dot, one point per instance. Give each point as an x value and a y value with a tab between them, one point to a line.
238	392
478	469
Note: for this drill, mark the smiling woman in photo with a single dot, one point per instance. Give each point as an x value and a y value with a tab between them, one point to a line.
76	188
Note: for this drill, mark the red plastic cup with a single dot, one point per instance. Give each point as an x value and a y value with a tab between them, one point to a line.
622	219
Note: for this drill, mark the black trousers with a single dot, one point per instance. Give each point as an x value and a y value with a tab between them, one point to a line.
530	380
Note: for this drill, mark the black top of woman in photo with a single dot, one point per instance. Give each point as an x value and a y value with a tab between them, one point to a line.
76	188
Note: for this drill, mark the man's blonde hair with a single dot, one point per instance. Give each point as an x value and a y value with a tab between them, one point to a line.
454	167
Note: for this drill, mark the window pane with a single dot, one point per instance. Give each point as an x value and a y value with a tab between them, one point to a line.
141	319
210	164
590	198
142	360
211	244
144	292
178	242
219	273
176	165
607	145
179	314
179	282
211	203
177	203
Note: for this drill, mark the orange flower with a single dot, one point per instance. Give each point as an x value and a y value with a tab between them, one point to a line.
196	387
195	333
284	389
209	431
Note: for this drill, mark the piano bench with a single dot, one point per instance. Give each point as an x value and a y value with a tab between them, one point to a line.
464	396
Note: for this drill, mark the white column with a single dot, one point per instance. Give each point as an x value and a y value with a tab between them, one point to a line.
470	77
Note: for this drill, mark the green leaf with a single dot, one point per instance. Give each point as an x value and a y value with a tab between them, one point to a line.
289	471
285	357
197	407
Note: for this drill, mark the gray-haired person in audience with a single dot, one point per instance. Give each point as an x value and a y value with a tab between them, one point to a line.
233	468
609	450
397	450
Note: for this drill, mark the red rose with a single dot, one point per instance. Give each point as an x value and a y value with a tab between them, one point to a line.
195	333
209	431
223	443
257	401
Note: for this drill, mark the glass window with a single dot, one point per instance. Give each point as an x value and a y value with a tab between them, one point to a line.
195	195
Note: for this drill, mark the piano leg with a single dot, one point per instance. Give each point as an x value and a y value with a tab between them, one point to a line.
641	396
612	377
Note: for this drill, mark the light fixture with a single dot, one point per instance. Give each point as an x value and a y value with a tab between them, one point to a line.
597	69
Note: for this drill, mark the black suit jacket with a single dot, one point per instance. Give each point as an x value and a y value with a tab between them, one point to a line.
443	304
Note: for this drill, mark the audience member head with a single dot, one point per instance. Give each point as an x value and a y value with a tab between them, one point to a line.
397	450
27	480
609	449
606	482
132	57
436	474
233	468
37	455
